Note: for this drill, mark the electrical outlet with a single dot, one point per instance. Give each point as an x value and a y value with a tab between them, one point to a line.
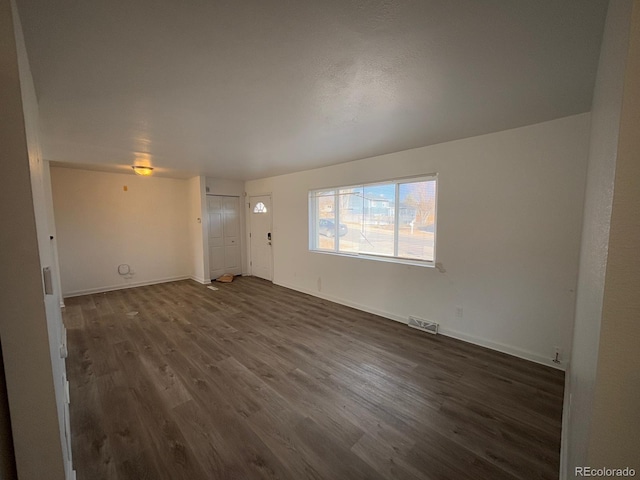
459	311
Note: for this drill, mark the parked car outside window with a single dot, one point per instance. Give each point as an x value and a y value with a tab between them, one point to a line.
327	228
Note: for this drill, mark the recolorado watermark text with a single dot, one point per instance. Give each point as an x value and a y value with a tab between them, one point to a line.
605	472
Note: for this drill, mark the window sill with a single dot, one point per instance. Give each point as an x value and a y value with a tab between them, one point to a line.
380	258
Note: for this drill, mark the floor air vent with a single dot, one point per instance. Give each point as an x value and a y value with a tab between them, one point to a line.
424	325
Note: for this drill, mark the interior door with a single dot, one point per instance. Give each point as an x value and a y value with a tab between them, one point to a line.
216	236
55	326
224	235
231	230
261	236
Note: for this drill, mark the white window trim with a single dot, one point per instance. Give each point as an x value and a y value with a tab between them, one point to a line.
368	256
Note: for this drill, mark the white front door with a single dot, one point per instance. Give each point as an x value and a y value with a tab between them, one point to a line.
224	235
260	236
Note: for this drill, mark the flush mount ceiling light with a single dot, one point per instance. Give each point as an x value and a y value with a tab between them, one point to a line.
142	170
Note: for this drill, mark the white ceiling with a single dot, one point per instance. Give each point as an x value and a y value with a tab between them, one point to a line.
251	88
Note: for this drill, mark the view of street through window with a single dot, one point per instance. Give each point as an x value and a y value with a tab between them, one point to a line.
362	220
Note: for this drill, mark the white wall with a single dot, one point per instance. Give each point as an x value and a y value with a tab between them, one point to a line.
101	226
509	222
197	231
616	418
48	194
602	412
30	325
605	124
219	186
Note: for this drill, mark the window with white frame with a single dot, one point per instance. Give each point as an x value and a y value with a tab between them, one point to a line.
393	220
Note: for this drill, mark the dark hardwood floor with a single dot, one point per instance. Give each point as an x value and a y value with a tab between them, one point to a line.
256	381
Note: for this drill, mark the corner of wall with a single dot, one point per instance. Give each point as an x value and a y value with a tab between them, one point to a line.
204	226
594	250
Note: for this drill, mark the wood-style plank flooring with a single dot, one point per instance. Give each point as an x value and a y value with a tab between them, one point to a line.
256	381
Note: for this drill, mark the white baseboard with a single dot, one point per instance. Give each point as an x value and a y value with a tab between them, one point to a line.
110	288
203	281
566	425
514	351
500	347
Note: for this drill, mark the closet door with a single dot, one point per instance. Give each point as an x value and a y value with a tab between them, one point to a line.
216	236
231	220
224	235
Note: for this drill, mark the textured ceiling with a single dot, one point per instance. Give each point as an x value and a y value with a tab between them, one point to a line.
246	89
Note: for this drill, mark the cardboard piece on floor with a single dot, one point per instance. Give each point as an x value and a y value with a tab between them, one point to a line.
226	278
